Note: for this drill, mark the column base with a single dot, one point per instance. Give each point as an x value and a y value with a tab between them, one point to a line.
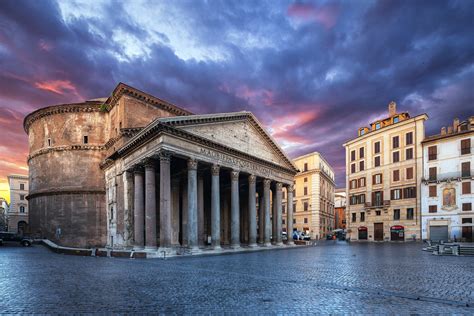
138	248
267	244
151	248
235	246
217	248
194	249
279	243
166	250
253	245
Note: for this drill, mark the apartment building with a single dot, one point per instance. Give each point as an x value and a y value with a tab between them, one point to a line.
18	211
446	190
383	175
313	202
340	202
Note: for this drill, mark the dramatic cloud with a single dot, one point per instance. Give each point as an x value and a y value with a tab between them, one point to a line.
312	72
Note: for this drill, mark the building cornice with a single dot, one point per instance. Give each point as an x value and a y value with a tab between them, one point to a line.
64	192
46	150
88	106
450	135
122	89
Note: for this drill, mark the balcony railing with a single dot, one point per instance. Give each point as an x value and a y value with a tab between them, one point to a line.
450	176
383	203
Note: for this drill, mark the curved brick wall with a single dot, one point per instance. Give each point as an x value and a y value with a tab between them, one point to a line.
67	189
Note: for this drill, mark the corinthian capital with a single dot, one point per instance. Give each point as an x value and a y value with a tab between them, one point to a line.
234	175
215	170
192	164
165	156
266	183
252	179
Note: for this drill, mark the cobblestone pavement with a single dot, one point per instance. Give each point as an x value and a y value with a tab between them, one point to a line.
331	278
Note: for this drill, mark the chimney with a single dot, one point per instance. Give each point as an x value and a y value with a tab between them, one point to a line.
443	130
456	124
450	129
392	109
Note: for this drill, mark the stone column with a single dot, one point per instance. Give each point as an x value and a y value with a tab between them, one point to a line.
278	214
274	215
261	217
252	211
150	205
201	217
289	214
215	208
139	207
192	205
175	191
268	227
128	209
235	210
165	199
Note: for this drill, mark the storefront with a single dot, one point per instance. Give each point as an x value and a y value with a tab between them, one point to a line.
362	233
397	233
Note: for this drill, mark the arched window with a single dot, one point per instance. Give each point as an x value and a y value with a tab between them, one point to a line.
22	209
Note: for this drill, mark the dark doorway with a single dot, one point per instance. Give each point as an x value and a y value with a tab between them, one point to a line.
397	233
362	233
378	231
22	227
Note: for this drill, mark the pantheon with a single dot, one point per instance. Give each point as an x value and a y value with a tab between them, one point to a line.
132	171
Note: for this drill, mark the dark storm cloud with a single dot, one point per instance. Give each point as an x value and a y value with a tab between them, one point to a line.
311	72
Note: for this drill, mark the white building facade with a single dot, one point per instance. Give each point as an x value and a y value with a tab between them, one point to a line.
446	190
18	211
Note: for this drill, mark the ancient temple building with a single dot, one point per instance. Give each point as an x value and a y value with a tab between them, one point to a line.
135	172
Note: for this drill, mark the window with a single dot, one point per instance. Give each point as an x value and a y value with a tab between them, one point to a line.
361	152
396	156
49	142
353	168
409	173
432	190
377	126
466	187
294	220
305	179
362	132
396	175
362	182
294	207
466	221
395	142
283	195
377	148
86	139
377	213
362	216
432	153
22	209
409	193
354	215
305	206
432	172
353	155
353	200
377	161
361	165
22	197
305	190
466	169
377	198
22	186
409	154
467	206
377	178
465	146
362	199
306	220
410	213
433	208
112	212
409	138
305	166
353	184
283	209
396	119
283	221
396	194
396	215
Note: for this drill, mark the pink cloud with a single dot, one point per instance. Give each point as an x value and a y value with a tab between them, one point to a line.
60	87
325	14
286	128
43	45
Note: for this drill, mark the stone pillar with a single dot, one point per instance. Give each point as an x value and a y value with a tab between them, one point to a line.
165	199
289	214
184	213
215	208
128	209
235	210
175	211
268	227
252	211
274	215
192	205
201	217
150	205
261	218
139	207
278	214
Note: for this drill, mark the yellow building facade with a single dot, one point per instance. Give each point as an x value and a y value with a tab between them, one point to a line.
313	202
383	174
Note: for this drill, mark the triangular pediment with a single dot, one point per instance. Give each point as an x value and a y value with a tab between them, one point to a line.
240	131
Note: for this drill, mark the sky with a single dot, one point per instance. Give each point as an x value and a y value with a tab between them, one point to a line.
312	72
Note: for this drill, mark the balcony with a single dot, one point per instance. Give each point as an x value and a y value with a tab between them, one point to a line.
450	176
377	204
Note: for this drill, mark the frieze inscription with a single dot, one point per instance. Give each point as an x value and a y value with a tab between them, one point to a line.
241	164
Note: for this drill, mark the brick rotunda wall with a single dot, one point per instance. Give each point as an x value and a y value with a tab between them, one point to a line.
67	189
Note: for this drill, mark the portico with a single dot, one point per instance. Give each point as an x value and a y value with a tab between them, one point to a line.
199	181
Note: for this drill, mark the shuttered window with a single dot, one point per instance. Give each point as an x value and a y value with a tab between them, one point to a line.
353	155
433	208
377	161
409	138
466	169
410	173
467	206
432	153
361	152
466	187
377	147
432	189
395	142
396	156
396	175
409	154
465	146
432	173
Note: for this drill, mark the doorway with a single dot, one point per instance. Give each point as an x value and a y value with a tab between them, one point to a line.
378	231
